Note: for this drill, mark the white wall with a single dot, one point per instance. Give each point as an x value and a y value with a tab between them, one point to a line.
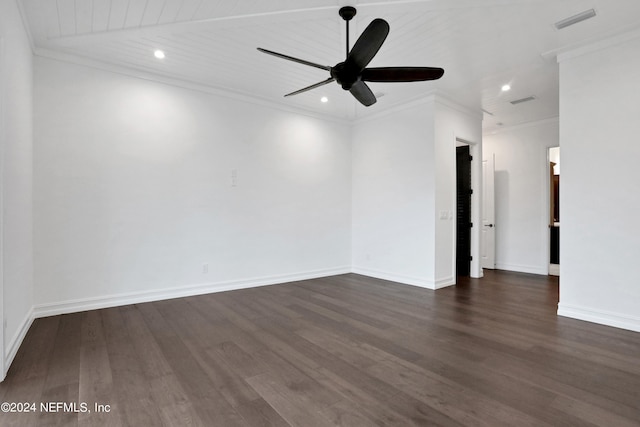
599	201
403	176
522	195
16	181
393	196
133	191
454	122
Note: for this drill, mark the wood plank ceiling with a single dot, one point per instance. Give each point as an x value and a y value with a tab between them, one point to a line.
482	44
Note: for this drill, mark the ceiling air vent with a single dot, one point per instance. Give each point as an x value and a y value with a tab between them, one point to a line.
521	100
582	16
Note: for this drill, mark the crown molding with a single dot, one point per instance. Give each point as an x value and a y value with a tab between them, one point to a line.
434	95
593	44
175	81
396	108
444	99
550	120
25	25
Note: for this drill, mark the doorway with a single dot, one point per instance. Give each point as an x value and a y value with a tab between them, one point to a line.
463	210
554	211
488	246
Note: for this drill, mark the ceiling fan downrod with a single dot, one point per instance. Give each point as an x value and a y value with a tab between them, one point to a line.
347	13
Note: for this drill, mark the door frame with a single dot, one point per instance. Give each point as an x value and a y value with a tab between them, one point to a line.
488	182
475	149
552	271
463	263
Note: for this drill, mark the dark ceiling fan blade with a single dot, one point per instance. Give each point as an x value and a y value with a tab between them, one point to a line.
401	74
362	93
313	86
368	44
291	58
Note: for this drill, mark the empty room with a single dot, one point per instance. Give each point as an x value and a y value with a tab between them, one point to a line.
321	213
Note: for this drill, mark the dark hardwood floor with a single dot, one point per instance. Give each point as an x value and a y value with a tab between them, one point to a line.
346	350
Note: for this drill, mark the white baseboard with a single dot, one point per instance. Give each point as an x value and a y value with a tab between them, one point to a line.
78	305
532	269
445	282
617	320
16	341
399	278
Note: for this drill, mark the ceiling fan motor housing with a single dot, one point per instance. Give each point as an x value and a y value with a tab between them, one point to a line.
346	75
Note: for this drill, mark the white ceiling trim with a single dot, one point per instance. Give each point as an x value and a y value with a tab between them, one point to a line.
434	95
401	106
211	45
535	123
593	45
184	84
448	101
25	24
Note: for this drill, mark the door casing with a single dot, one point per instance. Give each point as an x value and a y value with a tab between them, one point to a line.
488	245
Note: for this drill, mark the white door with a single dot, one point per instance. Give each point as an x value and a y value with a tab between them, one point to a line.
488	238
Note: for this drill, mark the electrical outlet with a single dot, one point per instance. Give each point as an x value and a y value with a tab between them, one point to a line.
205	268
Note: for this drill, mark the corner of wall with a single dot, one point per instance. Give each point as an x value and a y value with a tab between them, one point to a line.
16	341
16	178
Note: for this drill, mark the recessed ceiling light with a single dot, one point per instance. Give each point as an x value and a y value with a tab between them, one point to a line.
506	88
324	99
158	54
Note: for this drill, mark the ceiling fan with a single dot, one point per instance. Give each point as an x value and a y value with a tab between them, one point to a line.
353	72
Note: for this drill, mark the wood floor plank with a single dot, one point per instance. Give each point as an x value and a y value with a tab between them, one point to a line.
345	350
291	406
26	379
130	384
259	413
362	400
96	380
202	398
458	401
63	372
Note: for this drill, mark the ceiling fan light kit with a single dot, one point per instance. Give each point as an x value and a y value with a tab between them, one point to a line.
352	73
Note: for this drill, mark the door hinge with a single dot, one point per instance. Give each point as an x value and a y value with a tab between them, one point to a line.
471	191
470	158
471	258
470	225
